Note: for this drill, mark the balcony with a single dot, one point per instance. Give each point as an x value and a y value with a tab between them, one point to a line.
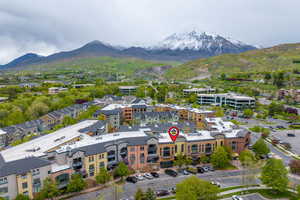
77	164
62	184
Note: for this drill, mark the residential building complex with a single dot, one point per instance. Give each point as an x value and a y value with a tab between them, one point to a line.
226	99
85	147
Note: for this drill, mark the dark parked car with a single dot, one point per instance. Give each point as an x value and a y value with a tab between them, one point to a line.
161	193
200	170
291	135
171	172
131	179
155	174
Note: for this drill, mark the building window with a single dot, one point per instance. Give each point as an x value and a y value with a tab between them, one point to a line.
23	176
194	148
182	148
208	148
36	185
35	172
3	180
132	149
142	158
175	148
24	185
132	159
91	158
91	170
3	190
101	164
234	145
142	148
152	149
166	152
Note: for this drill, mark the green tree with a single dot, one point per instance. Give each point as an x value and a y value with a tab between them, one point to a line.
274	175
49	190
219	111
194	188
76	183
298	190
139	195
275	108
22	197
192	98
220	158
260	148
150	195
122	170
246	157
103	176
248	113
180	160
204	159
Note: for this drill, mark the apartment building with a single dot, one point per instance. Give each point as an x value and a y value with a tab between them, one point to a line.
58	155
226	99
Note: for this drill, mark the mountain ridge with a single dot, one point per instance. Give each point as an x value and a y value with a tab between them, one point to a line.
181	50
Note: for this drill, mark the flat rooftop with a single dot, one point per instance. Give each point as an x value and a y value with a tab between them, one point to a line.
37	147
228	95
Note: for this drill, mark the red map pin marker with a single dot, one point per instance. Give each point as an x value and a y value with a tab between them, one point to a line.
173	133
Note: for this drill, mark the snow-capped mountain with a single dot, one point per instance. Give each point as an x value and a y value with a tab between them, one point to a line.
177	47
211	44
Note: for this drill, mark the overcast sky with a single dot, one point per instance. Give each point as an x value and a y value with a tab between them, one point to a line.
47	26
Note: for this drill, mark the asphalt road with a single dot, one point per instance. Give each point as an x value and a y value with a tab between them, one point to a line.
225	178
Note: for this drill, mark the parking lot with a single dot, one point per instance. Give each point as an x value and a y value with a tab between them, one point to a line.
250	197
165	182
293	141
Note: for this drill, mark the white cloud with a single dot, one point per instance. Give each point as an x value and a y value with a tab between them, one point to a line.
49	25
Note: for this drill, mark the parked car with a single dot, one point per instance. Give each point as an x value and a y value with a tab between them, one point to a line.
200	170
131	179
216	183
161	193
291	135
148	176
140	177
185	172
236	197
205	168
155	174
171	172
210	168
173	190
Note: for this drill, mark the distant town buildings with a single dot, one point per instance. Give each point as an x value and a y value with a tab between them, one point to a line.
127	90
3	99
226	99
56	90
187	92
292	94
